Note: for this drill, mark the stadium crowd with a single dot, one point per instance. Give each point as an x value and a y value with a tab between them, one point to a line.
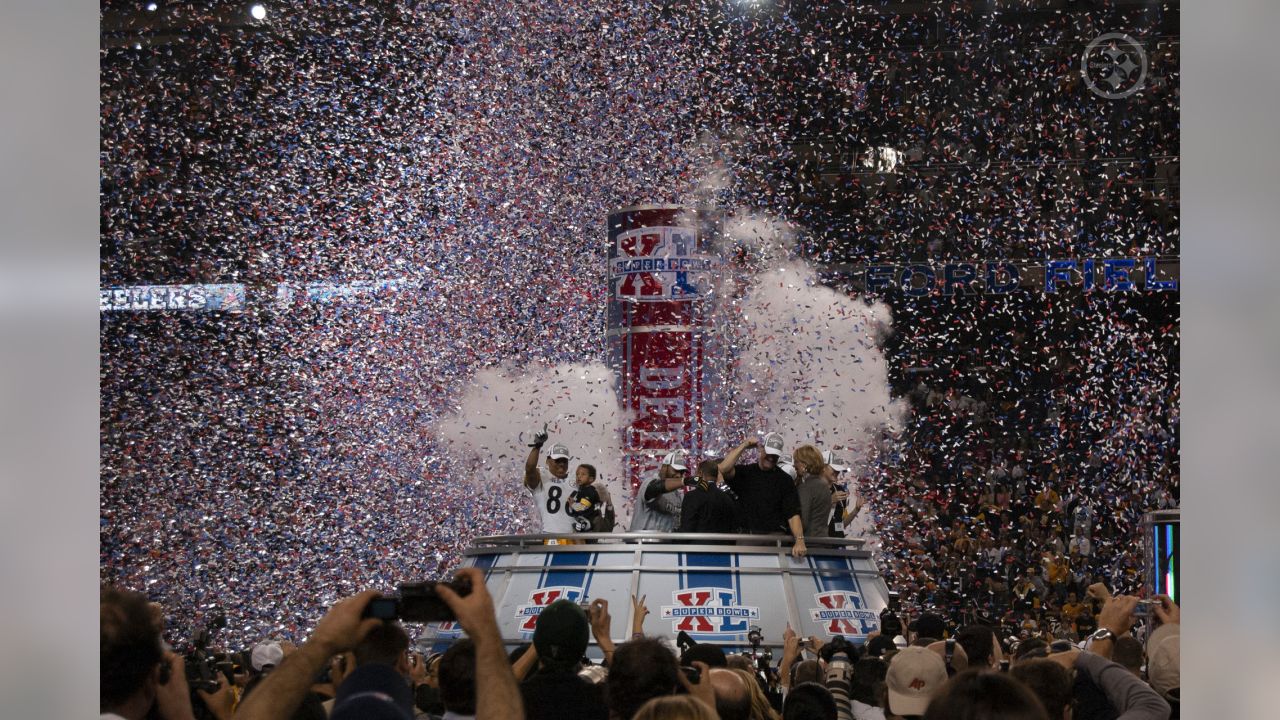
357	666
261	465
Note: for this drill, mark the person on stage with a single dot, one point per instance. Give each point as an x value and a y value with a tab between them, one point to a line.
841	515
767	499
590	505
550	495
708	508
658	500
814	491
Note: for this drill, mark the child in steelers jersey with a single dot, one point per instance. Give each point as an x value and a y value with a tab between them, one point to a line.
586	502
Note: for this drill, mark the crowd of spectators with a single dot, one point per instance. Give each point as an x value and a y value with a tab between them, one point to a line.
354	666
267	463
1037	440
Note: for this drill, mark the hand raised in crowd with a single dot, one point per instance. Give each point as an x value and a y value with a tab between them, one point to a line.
601	625
1098	591
638	612
417	668
815	644
1167	611
343	627
474	611
598	616
340	666
1117	614
790	642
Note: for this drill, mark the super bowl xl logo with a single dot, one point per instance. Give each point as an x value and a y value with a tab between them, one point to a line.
539	599
708	610
447	628
841	613
659	264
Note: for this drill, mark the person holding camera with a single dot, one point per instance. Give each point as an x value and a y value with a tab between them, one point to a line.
376	694
139	676
659	499
708	508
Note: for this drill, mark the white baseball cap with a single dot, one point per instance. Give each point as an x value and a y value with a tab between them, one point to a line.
267	652
558	452
836	462
787	465
914	677
677	459
773	444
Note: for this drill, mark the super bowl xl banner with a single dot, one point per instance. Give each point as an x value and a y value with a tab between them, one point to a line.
661	277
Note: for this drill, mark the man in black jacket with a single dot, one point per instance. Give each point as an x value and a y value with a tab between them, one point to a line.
767	496
708	508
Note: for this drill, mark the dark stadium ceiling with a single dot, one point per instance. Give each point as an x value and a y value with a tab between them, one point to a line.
125	23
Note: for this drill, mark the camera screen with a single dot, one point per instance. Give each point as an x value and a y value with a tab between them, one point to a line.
383	608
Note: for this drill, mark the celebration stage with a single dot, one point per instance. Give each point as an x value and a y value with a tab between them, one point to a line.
716	588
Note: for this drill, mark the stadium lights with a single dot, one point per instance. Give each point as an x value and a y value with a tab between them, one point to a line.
257	11
151	7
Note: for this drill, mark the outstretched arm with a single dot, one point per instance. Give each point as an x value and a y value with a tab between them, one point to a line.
601	624
1132	698
500	699
280	693
526	662
790	653
731	460
638	612
533	478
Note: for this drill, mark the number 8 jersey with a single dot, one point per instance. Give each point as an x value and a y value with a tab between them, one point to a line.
552	498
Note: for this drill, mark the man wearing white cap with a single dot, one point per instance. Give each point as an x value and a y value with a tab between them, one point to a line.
915	676
658	500
767	497
265	656
551	495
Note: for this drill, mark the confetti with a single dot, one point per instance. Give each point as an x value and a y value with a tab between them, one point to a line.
269	462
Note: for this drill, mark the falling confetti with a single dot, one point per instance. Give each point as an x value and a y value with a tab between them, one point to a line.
269	462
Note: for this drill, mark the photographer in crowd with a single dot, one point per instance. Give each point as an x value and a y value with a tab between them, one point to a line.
376	693
139	677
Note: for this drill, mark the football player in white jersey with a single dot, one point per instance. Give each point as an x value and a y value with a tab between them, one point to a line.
550	494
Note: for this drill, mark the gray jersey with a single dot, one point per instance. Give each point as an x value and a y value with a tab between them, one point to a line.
660	514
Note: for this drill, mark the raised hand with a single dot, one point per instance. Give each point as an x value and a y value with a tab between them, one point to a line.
539	437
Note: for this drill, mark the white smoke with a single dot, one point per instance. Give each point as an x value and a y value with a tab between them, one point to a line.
811	364
762	235
495	418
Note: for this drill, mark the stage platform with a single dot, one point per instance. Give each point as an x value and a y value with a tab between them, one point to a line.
714	587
